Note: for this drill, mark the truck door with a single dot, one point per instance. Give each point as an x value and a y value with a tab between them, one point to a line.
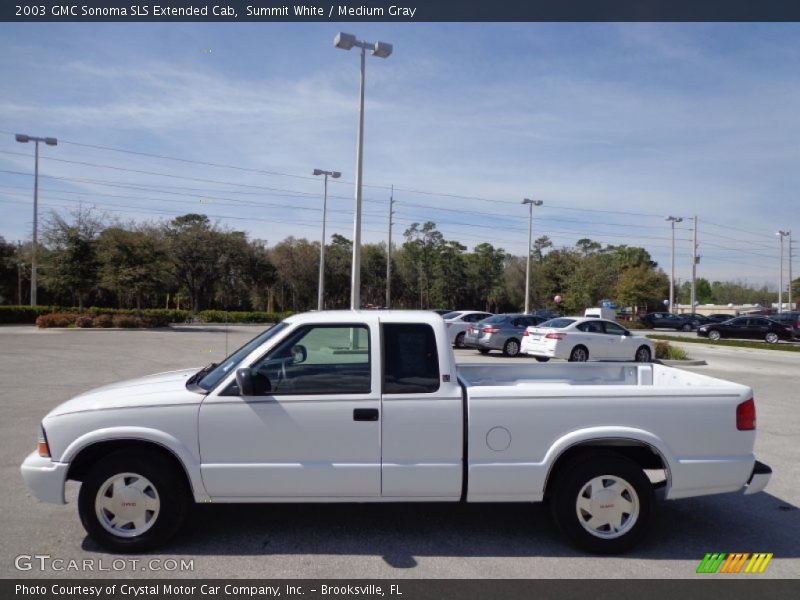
422	442
311	430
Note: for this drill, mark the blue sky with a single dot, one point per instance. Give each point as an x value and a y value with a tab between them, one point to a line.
614	126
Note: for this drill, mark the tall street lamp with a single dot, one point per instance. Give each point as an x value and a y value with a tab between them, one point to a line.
781	234
346	41
531	204
321	286
50	141
672	221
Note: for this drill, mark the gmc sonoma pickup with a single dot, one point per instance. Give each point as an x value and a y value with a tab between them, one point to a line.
371	407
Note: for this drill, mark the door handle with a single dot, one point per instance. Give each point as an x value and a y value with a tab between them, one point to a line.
365	414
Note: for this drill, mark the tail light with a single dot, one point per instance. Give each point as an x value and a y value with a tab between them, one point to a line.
746	415
556	336
525	333
44	448
490	330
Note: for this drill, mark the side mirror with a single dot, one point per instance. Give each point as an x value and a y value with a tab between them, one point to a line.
627	333
244	379
299	354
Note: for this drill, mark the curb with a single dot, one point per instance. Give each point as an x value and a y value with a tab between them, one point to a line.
681	363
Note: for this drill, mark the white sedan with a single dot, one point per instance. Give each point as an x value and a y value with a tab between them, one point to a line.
458	321
579	339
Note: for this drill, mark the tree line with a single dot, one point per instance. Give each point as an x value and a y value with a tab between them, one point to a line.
191	262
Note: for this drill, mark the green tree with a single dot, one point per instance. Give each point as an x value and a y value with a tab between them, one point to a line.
133	262
70	263
641	286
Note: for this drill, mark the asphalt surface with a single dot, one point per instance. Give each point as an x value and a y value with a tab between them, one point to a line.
41	368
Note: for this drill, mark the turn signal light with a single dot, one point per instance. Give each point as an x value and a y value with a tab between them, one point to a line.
746	415
44	448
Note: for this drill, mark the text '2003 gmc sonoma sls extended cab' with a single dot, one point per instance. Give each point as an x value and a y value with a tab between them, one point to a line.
371	407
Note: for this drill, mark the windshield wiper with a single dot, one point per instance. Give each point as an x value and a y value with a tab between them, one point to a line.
201	373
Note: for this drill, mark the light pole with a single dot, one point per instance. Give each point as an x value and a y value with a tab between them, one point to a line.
321	286
531	204
346	41
50	141
672	221
781	234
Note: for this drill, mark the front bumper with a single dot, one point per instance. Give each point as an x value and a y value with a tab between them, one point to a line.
759	478
45	478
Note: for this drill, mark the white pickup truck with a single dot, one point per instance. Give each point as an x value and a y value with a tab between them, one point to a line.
370	407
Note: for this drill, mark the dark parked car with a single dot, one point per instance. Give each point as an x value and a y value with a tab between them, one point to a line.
700	319
748	328
500	332
789	319
667	320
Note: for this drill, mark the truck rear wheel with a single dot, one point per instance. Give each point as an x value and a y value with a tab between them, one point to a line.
603	504
132	501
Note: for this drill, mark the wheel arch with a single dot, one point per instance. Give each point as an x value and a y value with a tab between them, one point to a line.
640	447
83	453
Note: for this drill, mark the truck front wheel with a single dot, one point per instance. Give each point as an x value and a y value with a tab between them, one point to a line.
132	501
603	504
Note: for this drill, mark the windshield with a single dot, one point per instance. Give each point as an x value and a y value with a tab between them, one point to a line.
222	369
557	323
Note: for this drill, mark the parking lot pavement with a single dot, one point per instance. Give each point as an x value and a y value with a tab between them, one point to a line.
39	369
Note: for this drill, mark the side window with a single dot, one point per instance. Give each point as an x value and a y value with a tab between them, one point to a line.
613	328
739	322
410	360
590	327
317	360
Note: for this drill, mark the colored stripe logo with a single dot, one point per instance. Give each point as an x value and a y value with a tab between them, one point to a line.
734	563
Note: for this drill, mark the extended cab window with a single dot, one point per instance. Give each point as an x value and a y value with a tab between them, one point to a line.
317	359
411	363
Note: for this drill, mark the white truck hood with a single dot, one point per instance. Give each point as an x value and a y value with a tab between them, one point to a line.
167	388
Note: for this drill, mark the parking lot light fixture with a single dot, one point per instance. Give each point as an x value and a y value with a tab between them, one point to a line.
50	141
531	204
781	234
321	285
672	221
347	41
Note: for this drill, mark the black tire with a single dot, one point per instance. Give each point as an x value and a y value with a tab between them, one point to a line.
771	338
459	341
714	335
686	327
542	358
167	485
643	355
579	354
511	347
483	350
573	483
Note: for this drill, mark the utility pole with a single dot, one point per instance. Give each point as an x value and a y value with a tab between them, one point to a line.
672	221
389	253
782	234
790	270
694	262
19	273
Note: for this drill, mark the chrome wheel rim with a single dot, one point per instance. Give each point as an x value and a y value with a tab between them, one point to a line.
772	338
127	504
714	335
512	348
607	507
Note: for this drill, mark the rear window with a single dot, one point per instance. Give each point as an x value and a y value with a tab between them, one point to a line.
451	315
559	323
495	319
411	363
